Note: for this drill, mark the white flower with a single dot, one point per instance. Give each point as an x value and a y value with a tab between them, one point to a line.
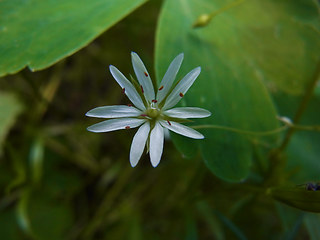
152	111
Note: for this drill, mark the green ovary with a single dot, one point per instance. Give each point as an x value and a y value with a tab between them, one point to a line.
153	113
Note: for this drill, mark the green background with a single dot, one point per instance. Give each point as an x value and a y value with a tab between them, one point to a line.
259	60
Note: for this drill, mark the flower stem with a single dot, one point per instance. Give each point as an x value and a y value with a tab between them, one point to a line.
277	160
262	133
240	131
303	105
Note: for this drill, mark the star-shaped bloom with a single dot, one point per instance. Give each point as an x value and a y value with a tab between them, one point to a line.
151	110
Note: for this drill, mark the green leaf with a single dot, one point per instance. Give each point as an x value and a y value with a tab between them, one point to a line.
281	38
230	84
9	110
312	222
303	156
297	197
188	146
39	33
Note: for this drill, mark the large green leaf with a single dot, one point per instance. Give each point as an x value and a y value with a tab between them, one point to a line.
37	33
297	197
281	38
9	109
230	84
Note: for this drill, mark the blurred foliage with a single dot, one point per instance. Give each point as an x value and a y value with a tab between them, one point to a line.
9	109
259	60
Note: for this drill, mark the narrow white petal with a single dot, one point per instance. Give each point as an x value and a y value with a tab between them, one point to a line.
187	112
129	89
143	76
118	111
116	124
169	77
138	143
180	90
156	144
182	130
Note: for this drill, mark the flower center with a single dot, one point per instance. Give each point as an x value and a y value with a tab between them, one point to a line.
153	112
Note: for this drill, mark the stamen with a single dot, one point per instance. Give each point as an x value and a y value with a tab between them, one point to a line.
169	122
141	88
123	90
127	127
129	105
160	88
144	115
154	101
181	94
146	74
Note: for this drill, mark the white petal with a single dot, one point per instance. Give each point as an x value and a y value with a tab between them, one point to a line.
182	130
138	143
187	112
180	90
116	124
143	76
129	89
156	144
169	77
118	111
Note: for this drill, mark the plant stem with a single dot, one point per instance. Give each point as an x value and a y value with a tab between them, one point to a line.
277	158
240	131
303	105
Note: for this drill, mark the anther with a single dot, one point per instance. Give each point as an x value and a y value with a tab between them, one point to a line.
146	74
160	88
169	122
127	127
181	94
143	115
141	88
154	101
129	105
123	90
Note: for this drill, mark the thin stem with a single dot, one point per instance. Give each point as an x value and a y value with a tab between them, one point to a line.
263	133
307	128
277	161
240	131
302	107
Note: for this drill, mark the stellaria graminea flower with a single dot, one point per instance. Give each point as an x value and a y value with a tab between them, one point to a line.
151	110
